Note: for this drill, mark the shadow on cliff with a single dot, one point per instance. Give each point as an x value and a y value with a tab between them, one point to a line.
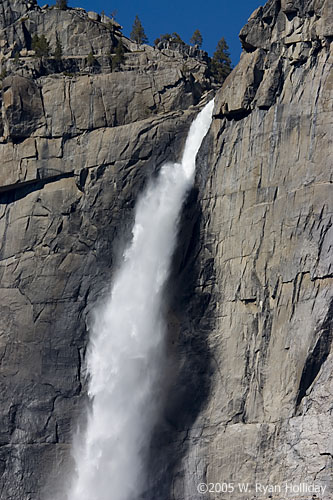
317	356
188	376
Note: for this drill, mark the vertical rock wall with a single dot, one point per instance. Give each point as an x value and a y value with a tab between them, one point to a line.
265	258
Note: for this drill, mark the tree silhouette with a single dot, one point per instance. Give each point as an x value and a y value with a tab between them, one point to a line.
221	62
40	45
91	59
175	38
196	38
138	33
58	49
171	38
62	4
119	57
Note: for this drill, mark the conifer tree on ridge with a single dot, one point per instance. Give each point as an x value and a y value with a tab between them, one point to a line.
196	39
221	63
138	33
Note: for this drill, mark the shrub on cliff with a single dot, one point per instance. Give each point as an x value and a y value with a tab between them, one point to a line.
3	74
62	4
163	38
138	33
177	39
91	59
119	56
40	45
58	49
171	38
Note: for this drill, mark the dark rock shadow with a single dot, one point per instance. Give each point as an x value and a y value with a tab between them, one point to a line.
188	376
317	357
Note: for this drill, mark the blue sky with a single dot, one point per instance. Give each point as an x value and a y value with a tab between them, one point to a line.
214	18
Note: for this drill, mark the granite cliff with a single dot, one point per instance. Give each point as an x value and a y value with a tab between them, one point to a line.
250	314
265	262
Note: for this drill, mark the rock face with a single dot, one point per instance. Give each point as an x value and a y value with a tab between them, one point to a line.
250	321
265	266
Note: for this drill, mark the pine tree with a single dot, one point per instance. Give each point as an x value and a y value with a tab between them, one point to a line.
58	49
91	59
163	38
171	38
221	62
34	41
175	38
138	33
196	38
119	57
62	4
40	45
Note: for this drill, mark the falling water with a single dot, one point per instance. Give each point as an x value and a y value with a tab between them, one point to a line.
126	351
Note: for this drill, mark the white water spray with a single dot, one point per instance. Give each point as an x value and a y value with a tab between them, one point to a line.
126	351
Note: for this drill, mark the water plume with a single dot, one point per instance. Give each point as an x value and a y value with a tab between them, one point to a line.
126	353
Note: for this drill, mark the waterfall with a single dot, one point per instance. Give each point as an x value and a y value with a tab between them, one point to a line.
126	353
